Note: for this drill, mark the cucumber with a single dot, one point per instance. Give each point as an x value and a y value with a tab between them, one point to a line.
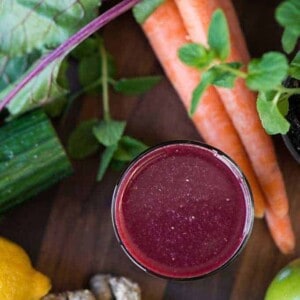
31	158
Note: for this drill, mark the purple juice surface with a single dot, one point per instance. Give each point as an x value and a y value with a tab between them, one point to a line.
180	211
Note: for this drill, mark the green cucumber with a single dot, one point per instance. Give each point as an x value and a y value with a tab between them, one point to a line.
31	158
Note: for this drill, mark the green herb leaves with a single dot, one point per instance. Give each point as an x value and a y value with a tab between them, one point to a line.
107	133
267	72
136	86
272	112
218	35
82	142
264	74
288	16
195	55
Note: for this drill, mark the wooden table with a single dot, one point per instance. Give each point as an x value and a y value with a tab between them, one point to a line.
67	230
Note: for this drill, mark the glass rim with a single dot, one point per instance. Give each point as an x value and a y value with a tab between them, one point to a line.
248	196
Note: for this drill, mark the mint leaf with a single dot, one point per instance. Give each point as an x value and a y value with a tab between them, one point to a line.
89	71
88	47
271	114
82	142
145	8
195	55
288	16
136	86
109	133
207	79
225	78
267	72
27	25
218	35
106	159
128	149
294	70
289	40
90	66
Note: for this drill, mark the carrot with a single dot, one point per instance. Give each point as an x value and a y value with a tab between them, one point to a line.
166	33
281	231
240	102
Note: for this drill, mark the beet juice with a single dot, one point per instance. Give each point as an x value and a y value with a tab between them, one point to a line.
182	210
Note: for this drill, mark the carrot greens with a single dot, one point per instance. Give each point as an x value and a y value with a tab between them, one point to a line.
264	75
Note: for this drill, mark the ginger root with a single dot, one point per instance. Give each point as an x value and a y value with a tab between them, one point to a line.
76	295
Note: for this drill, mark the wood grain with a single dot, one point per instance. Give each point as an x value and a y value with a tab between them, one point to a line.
67	230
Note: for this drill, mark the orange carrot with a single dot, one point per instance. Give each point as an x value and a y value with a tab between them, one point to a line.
166	33
240	102
281	231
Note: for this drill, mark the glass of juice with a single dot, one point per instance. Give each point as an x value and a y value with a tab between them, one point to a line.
182	210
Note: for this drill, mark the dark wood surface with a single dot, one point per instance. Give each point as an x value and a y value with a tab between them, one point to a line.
67	230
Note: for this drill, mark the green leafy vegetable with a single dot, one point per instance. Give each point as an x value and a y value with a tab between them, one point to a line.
225	78
90	63
11	68
207	79
195	55
26	26
46	26
271	115
128	149
288	16
106	159
264	75
109	132
145	8
82	142
294	70
136	86
41	90
218	35
267	72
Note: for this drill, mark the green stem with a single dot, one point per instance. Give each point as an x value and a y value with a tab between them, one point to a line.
233	71
289	91
105	96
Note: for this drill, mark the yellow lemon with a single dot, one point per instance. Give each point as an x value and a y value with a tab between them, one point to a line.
18	279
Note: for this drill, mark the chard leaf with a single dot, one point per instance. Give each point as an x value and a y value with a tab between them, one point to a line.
294	70
218	35
272	114
12	68
267	72
41	90
145	8
195	55
105	161
27	25
109	133
136	86
82	142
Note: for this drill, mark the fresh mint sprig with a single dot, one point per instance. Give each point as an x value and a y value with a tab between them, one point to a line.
87	138
264	75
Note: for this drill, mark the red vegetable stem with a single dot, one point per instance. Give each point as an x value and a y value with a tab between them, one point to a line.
69	44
